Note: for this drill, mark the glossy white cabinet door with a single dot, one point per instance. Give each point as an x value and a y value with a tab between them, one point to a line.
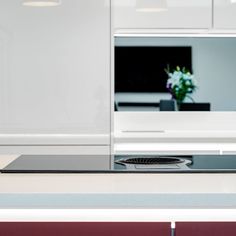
190	14
224	14
55	73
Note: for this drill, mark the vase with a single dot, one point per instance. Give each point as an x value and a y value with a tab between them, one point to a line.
178	104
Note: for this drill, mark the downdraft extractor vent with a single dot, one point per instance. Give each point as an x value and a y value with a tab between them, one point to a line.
152	161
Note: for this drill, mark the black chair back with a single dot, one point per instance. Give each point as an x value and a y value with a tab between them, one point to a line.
167	105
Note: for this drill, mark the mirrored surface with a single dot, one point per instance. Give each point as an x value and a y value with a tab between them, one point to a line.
175	74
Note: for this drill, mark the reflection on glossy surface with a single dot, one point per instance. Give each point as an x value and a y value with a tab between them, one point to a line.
178	14
41	3
213	63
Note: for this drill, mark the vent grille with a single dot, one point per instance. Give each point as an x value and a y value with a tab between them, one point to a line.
152	160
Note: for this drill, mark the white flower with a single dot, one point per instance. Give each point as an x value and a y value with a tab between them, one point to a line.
186	77
177	75
187	83
180	83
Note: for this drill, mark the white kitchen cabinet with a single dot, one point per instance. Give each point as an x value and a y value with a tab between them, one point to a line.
224	14
182	133
175	14
55	73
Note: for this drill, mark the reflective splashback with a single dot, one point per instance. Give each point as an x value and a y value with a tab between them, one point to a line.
213	71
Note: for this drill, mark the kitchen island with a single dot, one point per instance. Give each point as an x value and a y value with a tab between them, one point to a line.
116	197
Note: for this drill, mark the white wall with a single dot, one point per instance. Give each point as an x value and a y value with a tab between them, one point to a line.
214	63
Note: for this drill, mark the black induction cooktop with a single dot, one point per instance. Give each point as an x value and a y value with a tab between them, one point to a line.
95	164
56	164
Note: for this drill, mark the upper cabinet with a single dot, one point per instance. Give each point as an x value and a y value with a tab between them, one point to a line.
55	73
162	14
224	14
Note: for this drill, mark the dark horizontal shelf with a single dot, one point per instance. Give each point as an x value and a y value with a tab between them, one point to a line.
183	107
139	104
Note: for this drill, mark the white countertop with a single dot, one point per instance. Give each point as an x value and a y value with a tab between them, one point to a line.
143	197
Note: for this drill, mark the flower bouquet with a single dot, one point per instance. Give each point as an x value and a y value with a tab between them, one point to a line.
180	84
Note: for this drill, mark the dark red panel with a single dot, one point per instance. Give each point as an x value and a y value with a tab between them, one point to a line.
54	229
84	229
141	229
206	229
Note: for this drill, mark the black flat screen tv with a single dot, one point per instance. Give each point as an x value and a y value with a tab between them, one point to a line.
142	69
